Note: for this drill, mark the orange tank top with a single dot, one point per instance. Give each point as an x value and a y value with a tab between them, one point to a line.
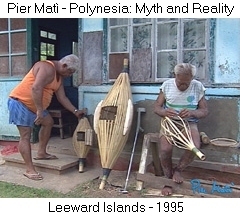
23	91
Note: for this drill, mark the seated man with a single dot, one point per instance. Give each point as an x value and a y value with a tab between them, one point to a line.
182	96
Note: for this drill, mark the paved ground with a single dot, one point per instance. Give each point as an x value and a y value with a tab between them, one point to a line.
63	183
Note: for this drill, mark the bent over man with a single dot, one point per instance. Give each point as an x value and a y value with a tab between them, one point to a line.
29	100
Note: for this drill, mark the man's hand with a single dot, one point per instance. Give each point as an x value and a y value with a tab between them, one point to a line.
185	113
39	118
80	113
171	113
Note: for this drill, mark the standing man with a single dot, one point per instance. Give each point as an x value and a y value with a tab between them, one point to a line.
182	96
29	100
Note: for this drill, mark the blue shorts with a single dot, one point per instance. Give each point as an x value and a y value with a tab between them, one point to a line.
20	115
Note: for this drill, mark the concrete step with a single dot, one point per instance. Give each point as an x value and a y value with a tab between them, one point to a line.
58	145
59	166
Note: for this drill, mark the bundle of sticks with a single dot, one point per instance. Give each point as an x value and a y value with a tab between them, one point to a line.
177	132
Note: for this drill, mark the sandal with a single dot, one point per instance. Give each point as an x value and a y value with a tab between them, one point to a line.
33	176
48	157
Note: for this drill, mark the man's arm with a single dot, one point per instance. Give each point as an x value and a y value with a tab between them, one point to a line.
44	74
62	98
159	109
202	110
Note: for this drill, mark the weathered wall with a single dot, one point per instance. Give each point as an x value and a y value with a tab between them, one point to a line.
227	39
7	131
92	58
223	98
222	121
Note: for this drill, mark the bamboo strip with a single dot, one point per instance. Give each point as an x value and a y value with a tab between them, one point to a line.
178	133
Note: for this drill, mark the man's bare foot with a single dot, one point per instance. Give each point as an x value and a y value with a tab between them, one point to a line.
167	191
177	177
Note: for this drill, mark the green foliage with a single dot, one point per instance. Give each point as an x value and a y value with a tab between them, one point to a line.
89	189
9	190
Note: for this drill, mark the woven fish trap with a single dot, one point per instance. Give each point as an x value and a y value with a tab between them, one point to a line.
111	135
82	141
178	133
112	122
82	138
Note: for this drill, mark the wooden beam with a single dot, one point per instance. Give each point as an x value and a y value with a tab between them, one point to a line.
196	188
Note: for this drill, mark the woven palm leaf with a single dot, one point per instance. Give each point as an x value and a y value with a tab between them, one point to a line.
113	119
82	141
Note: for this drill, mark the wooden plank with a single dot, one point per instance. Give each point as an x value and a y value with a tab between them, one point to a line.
226	155
92	60
154	137
222	167
156	161
65	162
116	64
202	188
211	163
141	65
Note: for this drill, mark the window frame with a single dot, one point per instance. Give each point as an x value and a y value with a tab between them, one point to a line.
180	50
10	54
48	40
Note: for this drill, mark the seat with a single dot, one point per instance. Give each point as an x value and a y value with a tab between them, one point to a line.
63	119
150	141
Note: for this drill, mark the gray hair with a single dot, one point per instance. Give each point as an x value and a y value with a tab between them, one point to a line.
72	62
185	68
